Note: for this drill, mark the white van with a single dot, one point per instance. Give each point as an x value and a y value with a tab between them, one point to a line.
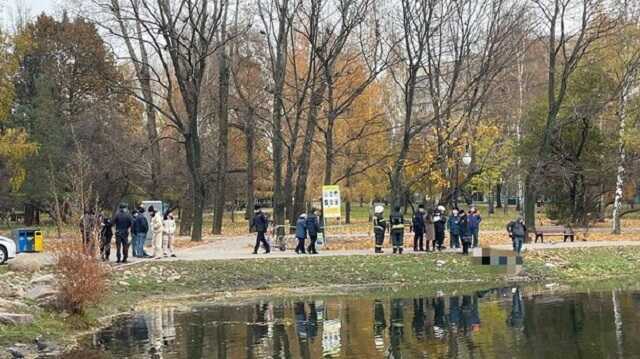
7	249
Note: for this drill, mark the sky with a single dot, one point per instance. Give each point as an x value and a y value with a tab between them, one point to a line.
35	7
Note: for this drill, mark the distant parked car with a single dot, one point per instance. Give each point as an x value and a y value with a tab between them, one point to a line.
7	249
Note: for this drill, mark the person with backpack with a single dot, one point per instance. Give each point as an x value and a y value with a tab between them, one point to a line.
517	231
260	224
397	230
301	233
418	225
313	228
106	233
379	228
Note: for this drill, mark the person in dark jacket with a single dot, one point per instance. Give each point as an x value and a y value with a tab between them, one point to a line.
301	233
123	222
517	231
313	228
106	233
439	224
474	225
465	232
260	224
418	226
379	227
453	224
140	229
397	230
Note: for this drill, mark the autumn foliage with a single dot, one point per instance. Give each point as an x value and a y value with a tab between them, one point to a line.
82	280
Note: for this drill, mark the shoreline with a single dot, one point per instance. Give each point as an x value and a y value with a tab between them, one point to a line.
136	288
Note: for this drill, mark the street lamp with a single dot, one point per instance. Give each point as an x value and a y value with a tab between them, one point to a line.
466	160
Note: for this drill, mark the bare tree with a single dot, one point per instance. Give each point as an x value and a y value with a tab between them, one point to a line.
570	28
180	37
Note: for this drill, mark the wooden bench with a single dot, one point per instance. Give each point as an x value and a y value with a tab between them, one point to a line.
559	231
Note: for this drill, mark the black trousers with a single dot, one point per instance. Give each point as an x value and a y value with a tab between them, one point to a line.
418	241
105	248
260	238
312	243
122	245
439	240
379	241
466	243
300	247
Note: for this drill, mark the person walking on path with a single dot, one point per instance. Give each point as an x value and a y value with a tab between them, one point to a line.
379	227
313	228
418	225
517	231
397	230
465	232
123	222
260	224
429	230
439	224
453	224
157	229
301	233
140	229
168	235
106	233
474	225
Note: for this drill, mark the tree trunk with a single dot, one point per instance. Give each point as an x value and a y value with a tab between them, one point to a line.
328	165
499	195
305	157
223	134
186	215
529	205
249	132
194	164
620	173
279	72
491	197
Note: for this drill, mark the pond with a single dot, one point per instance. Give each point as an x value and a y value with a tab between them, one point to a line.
498	323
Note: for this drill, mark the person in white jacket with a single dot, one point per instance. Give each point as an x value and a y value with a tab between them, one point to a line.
168	236
157	229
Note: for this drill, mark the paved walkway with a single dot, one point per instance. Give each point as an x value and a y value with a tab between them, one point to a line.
240	247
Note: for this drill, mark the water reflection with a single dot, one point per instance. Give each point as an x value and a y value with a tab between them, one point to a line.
499	323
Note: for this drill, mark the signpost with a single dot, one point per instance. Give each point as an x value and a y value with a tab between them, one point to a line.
331	203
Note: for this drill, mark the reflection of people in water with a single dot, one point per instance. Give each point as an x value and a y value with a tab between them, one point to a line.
396	330
439	321
516	318
302	329
470	314
260	329
454	313
280	336
417	324
379	324
312	324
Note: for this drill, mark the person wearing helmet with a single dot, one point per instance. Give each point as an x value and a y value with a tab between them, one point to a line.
397	230
379	227
301	233
439	224
418	229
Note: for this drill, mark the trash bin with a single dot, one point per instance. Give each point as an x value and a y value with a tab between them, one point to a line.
26	239
38	242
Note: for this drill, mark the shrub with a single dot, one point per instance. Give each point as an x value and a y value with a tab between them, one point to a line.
82	279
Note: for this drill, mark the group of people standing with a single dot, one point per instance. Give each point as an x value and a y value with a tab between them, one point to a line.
429	227
162	228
